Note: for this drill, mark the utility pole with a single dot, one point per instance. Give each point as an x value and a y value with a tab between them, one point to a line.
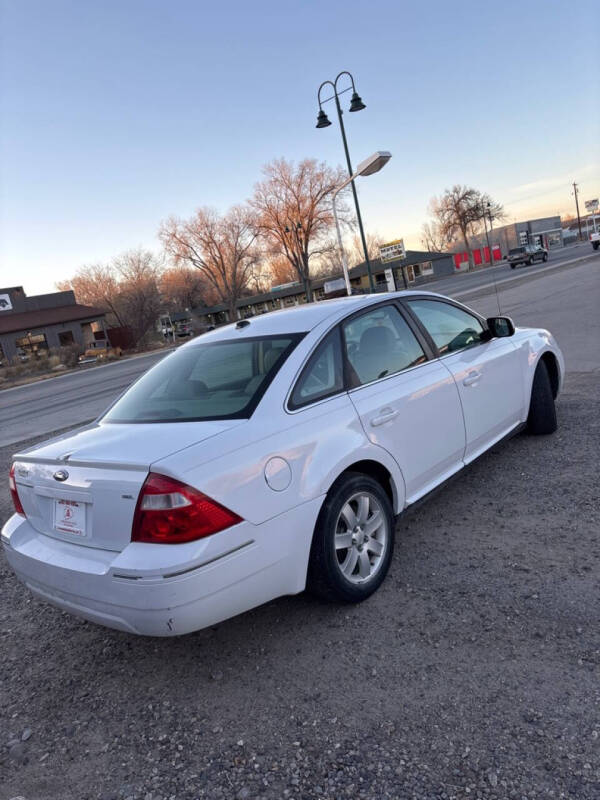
576	192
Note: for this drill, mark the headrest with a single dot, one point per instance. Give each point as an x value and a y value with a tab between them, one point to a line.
271	357
376	339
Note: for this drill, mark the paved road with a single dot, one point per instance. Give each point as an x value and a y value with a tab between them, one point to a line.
46	406
471	673
471	280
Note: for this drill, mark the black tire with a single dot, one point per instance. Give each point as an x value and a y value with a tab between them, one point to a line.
545	258
325	577
595	245
542	411
513	266
530	262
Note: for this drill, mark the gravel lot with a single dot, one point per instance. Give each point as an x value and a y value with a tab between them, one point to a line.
472	673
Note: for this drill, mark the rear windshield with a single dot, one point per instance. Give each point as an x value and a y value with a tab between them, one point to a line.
516	251
216	380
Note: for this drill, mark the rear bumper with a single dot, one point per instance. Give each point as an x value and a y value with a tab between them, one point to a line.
167	590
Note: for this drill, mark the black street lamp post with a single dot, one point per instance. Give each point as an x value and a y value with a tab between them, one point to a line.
356	104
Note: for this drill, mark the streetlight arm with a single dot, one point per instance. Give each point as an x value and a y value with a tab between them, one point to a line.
344	72
325	83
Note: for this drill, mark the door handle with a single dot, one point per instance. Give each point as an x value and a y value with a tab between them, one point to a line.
385	415
472	378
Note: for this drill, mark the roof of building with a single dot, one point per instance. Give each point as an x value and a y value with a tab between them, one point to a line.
297	319
41	318
289	290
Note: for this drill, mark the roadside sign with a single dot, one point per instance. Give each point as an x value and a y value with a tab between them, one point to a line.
392	251
5	304
389	278
336	285
592	205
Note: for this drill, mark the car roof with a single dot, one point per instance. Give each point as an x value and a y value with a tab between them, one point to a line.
302	318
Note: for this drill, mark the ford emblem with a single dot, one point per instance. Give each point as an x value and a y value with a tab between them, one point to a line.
61	475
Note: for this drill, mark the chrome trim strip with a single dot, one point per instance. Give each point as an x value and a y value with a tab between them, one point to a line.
187	569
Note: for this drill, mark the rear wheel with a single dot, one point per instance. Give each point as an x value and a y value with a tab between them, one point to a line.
529	262
353	540
545	258
513	266
542	411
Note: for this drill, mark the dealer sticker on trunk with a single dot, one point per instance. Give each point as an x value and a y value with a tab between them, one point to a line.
69	517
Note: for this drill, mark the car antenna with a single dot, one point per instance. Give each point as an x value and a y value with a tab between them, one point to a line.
497	296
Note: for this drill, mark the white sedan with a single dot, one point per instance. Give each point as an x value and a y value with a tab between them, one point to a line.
269	456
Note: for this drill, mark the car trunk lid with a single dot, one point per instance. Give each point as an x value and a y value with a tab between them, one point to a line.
83	487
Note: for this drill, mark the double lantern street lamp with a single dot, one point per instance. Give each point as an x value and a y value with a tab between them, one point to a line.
356	104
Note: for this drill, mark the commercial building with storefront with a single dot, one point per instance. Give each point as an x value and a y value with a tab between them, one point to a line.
416	268
546	232
45	322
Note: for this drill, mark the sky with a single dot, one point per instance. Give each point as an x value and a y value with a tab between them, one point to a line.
116	114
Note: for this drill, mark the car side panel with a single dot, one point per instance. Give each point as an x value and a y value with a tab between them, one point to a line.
531	345
308	449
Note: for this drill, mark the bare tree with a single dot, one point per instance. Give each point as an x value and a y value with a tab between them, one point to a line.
294	212
459	210
433	239
280	270
221	247
96	285
138	297
127	289
330	261
184	288
354	248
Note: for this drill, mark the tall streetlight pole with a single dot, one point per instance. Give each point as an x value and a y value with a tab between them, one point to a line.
367	167
356	104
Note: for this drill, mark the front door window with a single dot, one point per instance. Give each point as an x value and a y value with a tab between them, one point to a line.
450	327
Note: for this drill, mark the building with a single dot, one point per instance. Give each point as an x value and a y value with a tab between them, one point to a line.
29	325
546	232
417	267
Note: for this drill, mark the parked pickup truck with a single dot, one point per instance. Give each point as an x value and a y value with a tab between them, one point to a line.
595	240
526	254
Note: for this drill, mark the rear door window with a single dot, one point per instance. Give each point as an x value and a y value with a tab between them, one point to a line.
323	375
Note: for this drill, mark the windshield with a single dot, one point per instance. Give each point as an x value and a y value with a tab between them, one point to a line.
516	251
216	380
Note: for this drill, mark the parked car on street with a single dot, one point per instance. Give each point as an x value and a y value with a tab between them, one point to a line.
595	239
271	455
526	255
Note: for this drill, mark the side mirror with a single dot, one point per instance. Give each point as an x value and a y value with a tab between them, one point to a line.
500	326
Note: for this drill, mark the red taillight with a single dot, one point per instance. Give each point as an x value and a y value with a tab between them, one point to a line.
13	490
171	512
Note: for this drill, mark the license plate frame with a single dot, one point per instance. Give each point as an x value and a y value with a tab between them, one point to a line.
70	517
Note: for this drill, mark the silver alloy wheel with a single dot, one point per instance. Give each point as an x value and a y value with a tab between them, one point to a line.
361	537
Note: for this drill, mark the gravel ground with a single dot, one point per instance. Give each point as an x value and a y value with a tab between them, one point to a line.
472	673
